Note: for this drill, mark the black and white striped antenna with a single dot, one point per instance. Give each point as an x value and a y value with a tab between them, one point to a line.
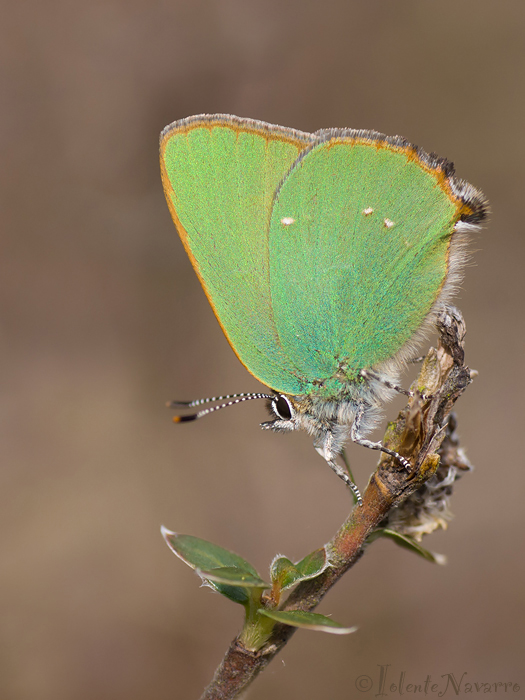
234	399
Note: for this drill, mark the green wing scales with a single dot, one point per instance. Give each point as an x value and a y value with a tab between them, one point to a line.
321	254
359	269
220	175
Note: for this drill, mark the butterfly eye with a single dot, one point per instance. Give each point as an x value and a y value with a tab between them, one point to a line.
282	407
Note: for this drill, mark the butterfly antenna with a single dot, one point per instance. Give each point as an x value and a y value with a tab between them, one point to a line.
234	399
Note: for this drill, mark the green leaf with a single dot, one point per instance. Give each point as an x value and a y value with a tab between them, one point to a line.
206	557
283	572
313	564
233	576
408	543
286	574
203	555
234	593
307	620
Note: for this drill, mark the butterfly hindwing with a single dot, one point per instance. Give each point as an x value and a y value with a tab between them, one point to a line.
359	242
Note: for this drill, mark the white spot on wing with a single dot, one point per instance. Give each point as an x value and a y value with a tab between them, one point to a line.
368	211
287	221
388	223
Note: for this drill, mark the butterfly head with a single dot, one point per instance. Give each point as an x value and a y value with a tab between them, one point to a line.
284	411
319	418
299	413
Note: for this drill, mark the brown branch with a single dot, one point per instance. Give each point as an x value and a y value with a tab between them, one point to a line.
417	434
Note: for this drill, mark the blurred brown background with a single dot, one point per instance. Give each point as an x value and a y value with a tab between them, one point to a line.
103	320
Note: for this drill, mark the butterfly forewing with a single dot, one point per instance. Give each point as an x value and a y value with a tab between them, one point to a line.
220	175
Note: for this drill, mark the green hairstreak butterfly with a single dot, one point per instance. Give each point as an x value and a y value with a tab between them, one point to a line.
325	257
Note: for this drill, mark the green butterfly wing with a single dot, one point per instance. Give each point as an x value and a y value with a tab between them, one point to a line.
220	174
321	254
359	244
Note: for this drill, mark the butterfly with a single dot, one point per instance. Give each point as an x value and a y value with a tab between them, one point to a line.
326	258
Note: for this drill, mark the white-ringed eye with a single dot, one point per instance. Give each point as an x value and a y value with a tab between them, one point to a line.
282	407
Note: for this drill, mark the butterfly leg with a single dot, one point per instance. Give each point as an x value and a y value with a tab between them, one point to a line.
370	374
324	450
344	476
360	440
416	360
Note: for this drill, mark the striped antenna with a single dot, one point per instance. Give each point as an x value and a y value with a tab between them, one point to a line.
235	398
